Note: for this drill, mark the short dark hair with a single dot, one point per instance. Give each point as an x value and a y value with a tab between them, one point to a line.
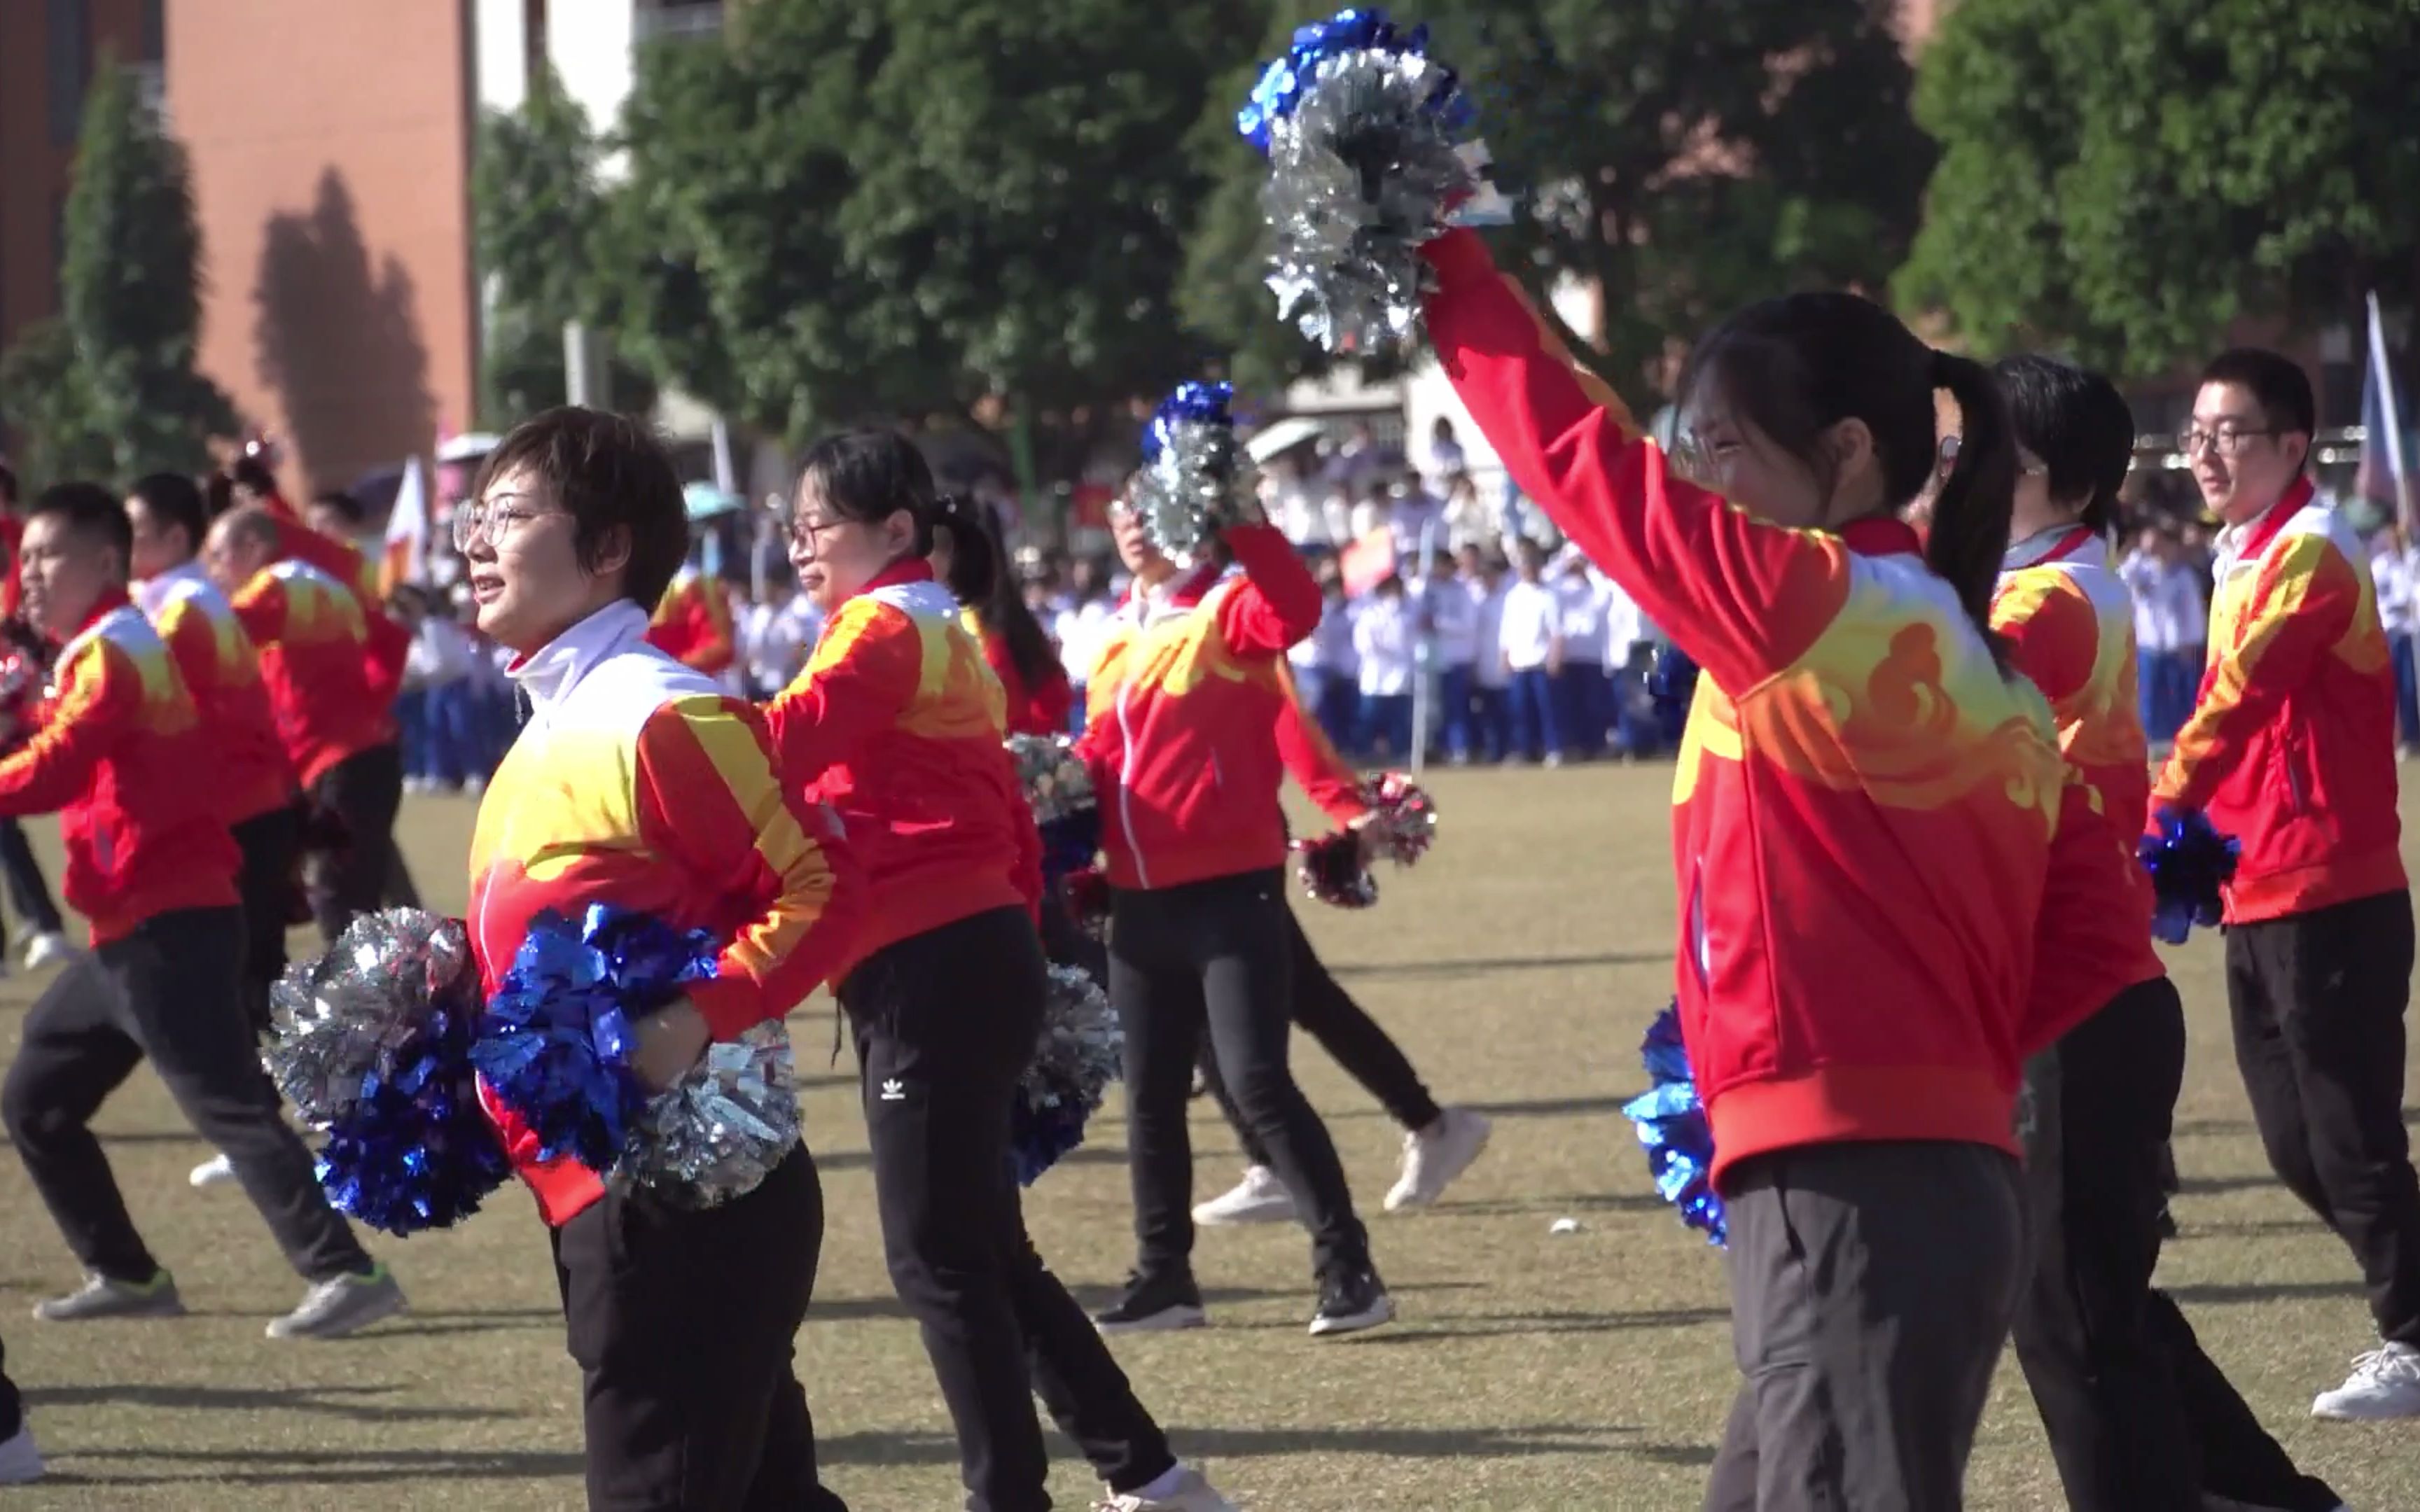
2077	422
92	513
175	498
2277	382
252	474
608	473
218	494
347	507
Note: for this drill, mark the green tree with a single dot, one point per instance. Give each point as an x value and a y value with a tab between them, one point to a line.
110	388
921	206
1682	157
2129	177
542	222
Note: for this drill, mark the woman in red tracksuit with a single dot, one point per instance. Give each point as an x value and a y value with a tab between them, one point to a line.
2138	1417
1014	642
896	722
1181	738
1863	812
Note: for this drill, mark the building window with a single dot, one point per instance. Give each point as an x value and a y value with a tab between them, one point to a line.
155	32
70	62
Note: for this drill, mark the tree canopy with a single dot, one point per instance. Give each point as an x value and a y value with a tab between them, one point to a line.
109	389
2127	177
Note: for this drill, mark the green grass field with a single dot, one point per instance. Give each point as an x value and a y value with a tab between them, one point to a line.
1592	1370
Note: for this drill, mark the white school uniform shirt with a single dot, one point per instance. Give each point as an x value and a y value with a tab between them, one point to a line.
442	652
1332	653
1384	637
1079	628
1452	616
779	637
1489	602
1533	621
1625	626
2391	572
1584	619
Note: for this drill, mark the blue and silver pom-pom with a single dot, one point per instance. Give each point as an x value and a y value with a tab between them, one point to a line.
555	1043
371	1043
1059	788
2189	862
1196	477
1671	681
1365	137
1334	868
1080	1051
1672	1126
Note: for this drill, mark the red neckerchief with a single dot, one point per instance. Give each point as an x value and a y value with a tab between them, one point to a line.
2265	529
905	570
1880	535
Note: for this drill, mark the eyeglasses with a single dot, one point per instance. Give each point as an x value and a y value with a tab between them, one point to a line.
2225	439
806	535
493	519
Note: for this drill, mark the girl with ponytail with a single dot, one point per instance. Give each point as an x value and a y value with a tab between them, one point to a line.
2137	1416
896	724
1864	808
968	557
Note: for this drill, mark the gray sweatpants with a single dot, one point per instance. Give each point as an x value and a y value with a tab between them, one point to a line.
1872	1288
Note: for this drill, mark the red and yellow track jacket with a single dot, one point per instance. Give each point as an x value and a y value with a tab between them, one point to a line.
123	757
384	640
313	635
1039	710
1180	716
692	623
1864	804
637	782
222	669
2068	622
897	723
2292	746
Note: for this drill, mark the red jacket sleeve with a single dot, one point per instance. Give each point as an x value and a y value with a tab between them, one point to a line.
711	799
1277	604
1743	598
102	700
2302	603
863	675
2051	630
1314	760
260	608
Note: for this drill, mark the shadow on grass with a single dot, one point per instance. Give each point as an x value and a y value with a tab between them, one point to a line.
254	1466
2222	1293
2210	1186
315	1399
1489	966
1498	1326
1229	1446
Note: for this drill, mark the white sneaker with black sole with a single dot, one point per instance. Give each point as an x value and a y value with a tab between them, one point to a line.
1260	1197
1154	1304
1433	1156
1350	1302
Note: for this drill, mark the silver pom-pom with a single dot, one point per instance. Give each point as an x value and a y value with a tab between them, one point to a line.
1057	783
1363	171
1196	478
718	1132
1081	1049
335	1019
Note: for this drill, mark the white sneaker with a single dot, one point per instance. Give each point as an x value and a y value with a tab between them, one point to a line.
1191	1493
216	1172
20	1463
46	948
1433	1156
2384	1383
1260	1197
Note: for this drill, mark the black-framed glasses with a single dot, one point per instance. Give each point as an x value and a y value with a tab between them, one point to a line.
806	535
2226	438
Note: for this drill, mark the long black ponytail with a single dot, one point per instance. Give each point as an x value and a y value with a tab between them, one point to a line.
1970	515
980	578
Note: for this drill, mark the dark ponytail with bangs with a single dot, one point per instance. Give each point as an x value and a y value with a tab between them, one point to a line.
1970	515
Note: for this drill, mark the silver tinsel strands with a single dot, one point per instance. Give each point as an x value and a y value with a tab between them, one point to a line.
1362	172
720	1130
1195	479
1054	777
342	1016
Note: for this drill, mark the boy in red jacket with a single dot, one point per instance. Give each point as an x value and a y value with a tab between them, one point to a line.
2291	749
126	762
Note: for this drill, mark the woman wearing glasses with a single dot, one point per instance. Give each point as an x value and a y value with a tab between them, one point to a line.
897	723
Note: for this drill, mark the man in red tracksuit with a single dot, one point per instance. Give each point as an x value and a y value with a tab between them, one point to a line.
2290	750
337	724
124	759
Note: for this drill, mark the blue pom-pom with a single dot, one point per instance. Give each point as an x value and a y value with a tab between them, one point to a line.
1079	1050
1070	843
2189	862
554	1044
1672	1126
1673	682
415	1150
1195	475
1283	81
1192	404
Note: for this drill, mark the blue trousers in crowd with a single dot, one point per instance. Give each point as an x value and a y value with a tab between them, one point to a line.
2407	689
1536	727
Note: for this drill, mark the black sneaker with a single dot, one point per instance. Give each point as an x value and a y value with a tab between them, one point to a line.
1351	1300
1153	1302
